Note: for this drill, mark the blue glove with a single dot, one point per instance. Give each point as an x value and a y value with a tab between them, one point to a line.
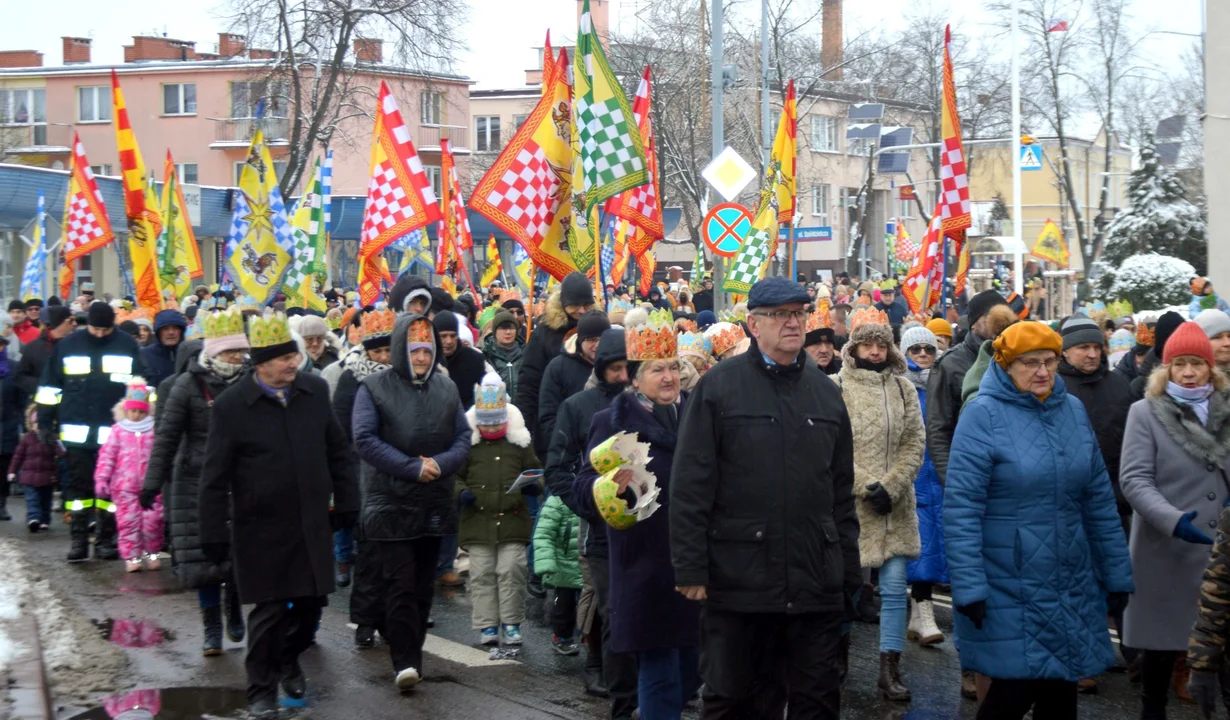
1185	531
467	498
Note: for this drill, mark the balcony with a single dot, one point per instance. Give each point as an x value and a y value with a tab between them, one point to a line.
36	139
237	132
428	138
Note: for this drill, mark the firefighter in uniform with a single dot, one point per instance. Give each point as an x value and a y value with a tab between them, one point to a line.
83	379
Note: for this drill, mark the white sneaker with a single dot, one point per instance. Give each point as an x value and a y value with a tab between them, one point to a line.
407	679
922	625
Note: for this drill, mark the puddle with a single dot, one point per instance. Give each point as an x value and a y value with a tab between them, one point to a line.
190	703
133	633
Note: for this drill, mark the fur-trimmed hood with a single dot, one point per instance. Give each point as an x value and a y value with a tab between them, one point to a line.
517	433
868	333
1208	443
554	316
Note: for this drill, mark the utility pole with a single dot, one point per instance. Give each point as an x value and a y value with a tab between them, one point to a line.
1018	260
716	42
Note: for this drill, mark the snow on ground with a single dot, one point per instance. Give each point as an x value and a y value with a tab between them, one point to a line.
79	663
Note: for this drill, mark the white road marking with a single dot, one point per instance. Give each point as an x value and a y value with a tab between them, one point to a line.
459	653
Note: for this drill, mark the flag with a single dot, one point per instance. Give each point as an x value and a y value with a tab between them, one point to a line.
608	258
646	263
453	206
623	250
1057	26
749	263
36	265
698	267
399	197
416	250
86	227
320	239
548	64
179	258
144	224
608	153
783	160
922	282
306	224
1051	246
524	267
954	198
962	267
495	268
901	248
527	190
261	245
640	205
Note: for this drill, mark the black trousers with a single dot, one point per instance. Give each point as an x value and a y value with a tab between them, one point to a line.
81	464
619	670
1156	673
1012	699
404	573
564	612
755	664
278	631
366	600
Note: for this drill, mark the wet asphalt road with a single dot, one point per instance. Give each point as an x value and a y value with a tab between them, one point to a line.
460	683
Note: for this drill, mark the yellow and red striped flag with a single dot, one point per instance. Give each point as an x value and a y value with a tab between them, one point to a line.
143	221
548	65
495	267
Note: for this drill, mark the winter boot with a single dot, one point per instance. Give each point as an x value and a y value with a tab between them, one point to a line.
1181	675
212	619
843	658
890	678
342	575
79	531
104	539
922	624
234	614
4	510
294	682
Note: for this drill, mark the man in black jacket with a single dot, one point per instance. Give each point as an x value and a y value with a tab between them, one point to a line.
85	376
944	384
60	323
703	299
604	669
465	364
574	298
763	527
567	374
159	356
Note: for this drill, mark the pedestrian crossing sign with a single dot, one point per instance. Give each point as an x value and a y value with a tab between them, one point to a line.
1031	157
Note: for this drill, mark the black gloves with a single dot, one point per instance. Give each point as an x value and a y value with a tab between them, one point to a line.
216	553
879	499
148	498
467	498
1116	603
1202	686
531	489
343	520
975	611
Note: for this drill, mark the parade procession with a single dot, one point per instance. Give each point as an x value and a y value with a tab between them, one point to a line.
601	395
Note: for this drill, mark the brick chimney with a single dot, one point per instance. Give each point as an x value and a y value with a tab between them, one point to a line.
231	45
150	47
600	14
20	58
368	50
76	50
831	51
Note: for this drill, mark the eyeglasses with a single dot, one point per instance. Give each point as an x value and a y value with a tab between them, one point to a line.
783	315
921	350
517	312
1033	364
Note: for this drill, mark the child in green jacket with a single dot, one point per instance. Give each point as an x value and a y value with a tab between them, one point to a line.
557	560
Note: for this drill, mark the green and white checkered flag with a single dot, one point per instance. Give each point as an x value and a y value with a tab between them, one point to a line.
745	268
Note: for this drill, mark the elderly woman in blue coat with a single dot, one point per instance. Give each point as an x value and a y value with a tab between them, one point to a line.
1035	548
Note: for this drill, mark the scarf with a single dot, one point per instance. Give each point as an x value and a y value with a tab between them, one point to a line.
361	365
666	415
223	370
1196	398
916	374
495	434
862	364
139	426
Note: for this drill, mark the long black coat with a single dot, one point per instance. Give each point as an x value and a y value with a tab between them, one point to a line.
1107	397
277	468
565	376
944	398
175	466
761	503
33	358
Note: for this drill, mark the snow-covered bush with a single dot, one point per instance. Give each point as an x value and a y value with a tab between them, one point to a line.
1151	281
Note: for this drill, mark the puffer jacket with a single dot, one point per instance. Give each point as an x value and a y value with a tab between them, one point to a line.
546	341
34	463
1031	529
889	440
1107	397
555	546
944	395
932	563
123	460
489	471
159	359
565	376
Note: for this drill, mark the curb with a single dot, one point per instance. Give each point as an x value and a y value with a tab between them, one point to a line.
28	692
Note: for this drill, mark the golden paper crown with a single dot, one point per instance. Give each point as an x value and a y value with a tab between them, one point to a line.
223	324
821	318
420	332
247	303
654	340
1144	333
268	329
377	323
723	336
490	394
868	315
1119	308
693	343
686	325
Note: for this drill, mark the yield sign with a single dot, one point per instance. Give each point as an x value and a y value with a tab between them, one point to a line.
725	227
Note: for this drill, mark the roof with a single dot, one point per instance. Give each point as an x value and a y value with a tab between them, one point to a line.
170	66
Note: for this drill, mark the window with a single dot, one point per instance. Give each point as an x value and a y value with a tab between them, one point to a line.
905	208
432	108
824	133
487	133
245	96
279	167
187	172
23	107
858	146
518	121
94	104
820	203
433	174
179	99
100	169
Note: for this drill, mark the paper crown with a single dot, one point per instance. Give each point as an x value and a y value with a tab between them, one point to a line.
821	318
333	322
1145	333
723	336
686	325
248	303
696	344
377	323
420	333
490	395
1119	308
223	324
868	315
654	340
268	330
618	305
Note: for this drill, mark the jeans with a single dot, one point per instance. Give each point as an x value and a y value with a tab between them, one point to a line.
448	555
38	503
666	680
894	605
208	597
343	546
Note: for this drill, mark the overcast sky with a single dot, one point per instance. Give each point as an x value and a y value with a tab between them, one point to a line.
499	33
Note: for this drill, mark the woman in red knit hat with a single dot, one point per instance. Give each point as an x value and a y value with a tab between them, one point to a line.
1176	450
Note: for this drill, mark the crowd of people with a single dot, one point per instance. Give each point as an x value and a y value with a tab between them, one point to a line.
813	457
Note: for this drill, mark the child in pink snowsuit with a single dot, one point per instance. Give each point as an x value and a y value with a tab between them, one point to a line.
120	473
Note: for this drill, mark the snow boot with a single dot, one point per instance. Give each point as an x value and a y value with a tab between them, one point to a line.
922	624
79	531
234	614
104	538
4	511
890	678
211	617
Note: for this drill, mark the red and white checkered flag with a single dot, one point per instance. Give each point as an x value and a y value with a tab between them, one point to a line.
86	227
954	180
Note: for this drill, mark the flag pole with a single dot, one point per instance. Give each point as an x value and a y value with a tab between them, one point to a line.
1017	229
790	253
944	276
529	310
